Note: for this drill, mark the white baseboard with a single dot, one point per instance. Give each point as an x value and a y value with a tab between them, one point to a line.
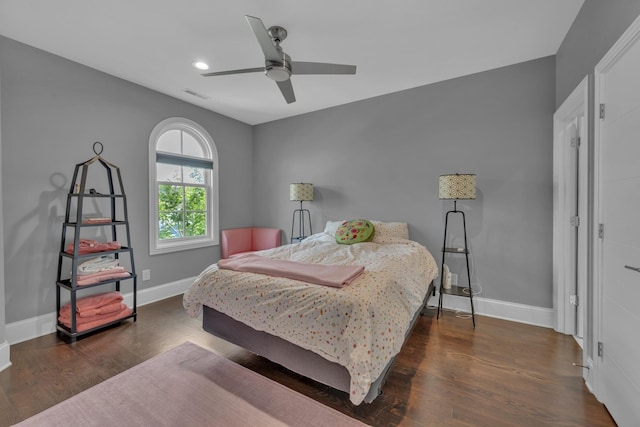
34	327
41	325
5	362
588	373
532	315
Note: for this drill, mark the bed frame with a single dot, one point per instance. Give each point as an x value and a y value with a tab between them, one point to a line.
293	357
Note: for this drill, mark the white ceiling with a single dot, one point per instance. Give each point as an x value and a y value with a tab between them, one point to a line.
396	45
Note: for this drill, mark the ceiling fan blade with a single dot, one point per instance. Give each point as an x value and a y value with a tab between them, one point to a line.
298	67
287	91
241	71
264	39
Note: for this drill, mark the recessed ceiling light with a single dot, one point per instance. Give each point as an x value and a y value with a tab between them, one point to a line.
200	65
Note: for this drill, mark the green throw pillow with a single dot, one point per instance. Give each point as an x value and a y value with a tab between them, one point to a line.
355	231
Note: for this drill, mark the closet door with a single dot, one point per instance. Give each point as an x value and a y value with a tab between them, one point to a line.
617	151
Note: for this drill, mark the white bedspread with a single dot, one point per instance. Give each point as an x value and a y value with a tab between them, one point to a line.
361	326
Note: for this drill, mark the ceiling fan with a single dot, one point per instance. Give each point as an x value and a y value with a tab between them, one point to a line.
278	66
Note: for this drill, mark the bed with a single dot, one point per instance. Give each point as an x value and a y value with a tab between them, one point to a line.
344	337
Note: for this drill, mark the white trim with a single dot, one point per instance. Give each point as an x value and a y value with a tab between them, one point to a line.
212	238
587	374
531	315
181	245
564	276
539	316
4	346
34	327
160	292
5	360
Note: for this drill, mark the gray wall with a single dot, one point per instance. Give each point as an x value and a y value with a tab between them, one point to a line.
381	158
52	112
597	27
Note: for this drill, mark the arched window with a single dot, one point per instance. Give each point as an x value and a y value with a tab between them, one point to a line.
183	187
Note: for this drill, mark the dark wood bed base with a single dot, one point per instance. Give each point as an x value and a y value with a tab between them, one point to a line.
291	356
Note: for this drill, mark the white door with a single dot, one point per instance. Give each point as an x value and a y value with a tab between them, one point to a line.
570	216
617	151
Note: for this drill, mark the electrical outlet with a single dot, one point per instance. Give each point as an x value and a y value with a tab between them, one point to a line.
454	279
146	275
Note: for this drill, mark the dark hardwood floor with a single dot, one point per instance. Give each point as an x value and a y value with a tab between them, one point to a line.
448	374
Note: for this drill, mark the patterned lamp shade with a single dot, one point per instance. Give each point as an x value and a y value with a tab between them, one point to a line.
300	191
458	186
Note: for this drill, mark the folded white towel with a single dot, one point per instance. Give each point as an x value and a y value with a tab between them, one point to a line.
97	264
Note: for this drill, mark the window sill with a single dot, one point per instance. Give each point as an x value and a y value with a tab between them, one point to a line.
169	247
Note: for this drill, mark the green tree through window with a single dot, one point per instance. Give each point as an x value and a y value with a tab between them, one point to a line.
182	208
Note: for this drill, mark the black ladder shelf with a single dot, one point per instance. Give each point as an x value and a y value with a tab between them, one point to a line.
464	291
115	203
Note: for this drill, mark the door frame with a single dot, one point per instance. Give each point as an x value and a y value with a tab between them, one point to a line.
576	105
5	360
626	41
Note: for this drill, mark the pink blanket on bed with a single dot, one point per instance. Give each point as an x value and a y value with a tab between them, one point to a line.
320	274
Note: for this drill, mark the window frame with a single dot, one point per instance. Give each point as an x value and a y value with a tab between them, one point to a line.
157	246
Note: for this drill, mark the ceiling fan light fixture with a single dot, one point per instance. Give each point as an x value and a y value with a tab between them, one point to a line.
277	72
200	65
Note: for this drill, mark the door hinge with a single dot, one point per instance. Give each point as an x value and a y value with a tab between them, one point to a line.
601	231
575	142
602	111
574	221
600	348
574	300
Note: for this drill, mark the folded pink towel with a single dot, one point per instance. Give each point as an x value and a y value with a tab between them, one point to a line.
95	301
94	323
65	316
87	246
114	273
90	312
319	274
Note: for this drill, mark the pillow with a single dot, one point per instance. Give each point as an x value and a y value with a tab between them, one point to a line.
355	231
331	227
389	231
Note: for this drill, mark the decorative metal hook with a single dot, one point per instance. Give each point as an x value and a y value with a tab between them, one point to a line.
95	150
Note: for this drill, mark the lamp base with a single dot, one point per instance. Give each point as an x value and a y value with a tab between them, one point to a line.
456	290
300	214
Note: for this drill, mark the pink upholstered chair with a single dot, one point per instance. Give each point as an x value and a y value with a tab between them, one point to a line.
236	241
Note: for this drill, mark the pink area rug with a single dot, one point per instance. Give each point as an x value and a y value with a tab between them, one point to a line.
189	386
